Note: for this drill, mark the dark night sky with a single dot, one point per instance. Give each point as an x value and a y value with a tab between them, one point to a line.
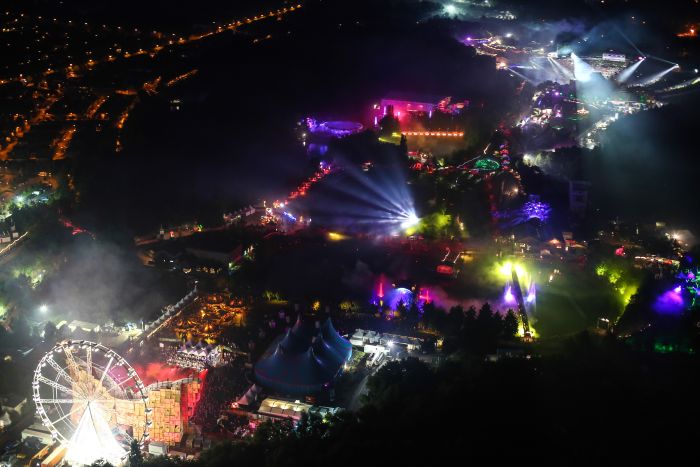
233	142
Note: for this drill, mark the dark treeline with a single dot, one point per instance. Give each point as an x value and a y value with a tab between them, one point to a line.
597	401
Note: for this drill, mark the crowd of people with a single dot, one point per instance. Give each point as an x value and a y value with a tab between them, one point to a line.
222	386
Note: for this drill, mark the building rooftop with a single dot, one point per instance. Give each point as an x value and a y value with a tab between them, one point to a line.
283	409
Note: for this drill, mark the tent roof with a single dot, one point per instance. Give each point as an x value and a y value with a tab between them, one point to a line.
306	360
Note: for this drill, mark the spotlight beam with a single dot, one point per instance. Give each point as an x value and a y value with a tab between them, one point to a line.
521	75
683	85
582	70
629	71
565	71
362	208
380	203
662	60
381	199
655	77
362	178
557	72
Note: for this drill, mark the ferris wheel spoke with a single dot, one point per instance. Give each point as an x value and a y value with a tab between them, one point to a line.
118	386
105	401
88	353
104	373
71	360
57	401
74	410
59	370
58	386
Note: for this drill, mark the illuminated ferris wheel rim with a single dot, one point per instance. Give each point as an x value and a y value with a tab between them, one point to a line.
84	395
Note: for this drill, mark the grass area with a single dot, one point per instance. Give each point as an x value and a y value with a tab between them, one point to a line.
574	301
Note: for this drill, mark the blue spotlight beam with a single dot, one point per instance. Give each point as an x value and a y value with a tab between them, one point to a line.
629	71
582	70
382	196
376	202
562	69
648	81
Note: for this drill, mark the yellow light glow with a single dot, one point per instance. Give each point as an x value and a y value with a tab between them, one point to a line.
336	237
506	269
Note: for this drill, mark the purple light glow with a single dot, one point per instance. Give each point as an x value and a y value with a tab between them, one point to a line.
536	210
398	295
337	128
508	296
531	293
670	302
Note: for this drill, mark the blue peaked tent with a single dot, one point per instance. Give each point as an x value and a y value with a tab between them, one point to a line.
306	361
331	336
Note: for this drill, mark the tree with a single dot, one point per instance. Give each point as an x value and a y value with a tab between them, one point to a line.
455	318
312	426
434	317
510	325
470	315
389	125
401	309
397	381
20	328
50	332
413	311
403	146
272	432
135	455
485	314
429	318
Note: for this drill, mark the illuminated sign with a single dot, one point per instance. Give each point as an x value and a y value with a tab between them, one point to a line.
614	57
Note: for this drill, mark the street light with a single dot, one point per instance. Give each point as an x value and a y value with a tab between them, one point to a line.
44	309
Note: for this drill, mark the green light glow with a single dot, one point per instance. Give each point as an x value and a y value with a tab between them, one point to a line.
621	278
435	225
487	165
613	277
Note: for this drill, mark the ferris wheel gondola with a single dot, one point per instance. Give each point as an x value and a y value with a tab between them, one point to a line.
92	401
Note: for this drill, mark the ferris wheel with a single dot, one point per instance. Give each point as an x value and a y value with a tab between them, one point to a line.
92	401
